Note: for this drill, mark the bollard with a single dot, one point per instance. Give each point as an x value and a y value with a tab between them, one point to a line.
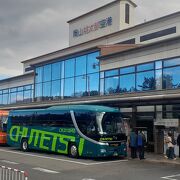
7	173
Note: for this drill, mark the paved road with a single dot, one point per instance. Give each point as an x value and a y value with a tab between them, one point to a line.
43	166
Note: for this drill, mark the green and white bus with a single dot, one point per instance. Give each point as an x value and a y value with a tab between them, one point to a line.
76	130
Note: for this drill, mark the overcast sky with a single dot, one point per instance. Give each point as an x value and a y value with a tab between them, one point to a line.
30	28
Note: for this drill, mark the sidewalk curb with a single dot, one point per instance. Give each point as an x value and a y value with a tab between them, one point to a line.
172	162
160	161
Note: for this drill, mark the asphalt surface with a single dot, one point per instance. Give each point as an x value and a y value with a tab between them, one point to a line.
44	166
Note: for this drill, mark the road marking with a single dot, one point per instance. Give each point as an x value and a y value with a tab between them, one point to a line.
171	177
9	162
44	157
87	179
63	160
107	162
45	170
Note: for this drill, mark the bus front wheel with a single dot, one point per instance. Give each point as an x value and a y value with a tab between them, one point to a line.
73	150
24	145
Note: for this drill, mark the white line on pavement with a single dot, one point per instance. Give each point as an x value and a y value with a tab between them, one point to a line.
45	170
9	162
63	160
44	157
107	162
171	177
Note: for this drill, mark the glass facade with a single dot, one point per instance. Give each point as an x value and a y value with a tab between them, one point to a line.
127	83
22	94
171	77
75	77
157	75
80	76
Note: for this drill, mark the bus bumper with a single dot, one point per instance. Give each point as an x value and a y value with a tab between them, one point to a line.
107	151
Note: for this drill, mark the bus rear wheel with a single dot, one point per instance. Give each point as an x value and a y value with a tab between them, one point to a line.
24	145
73	150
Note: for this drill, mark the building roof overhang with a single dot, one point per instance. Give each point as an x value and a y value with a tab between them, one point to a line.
139	48
17	77
121	100
97	9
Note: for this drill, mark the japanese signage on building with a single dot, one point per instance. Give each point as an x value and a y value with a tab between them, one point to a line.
93	27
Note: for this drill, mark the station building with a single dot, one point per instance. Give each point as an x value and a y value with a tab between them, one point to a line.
110	61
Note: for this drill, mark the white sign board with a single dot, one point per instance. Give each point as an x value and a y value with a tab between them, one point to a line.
167	122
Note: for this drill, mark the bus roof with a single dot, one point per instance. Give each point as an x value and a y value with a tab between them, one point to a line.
70	108
85	107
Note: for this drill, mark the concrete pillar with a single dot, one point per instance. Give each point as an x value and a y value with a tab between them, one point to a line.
133	121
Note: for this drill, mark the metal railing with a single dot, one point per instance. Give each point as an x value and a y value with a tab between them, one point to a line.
7	173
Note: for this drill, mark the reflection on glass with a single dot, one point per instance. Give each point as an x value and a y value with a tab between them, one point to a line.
69	68
145	81
47	90
69	87
111	85
20	88
114	72
47	73
102	74
27	87
39	74
56	89
13	98
92	63
158	64
62	88
1	99
101	87
13	89
80	65
38	91
20	96
56	71
158	79
93	84
5	99
172	62
171	78
62	69
80	86
127	83
15	95
27	96
127	70
145	67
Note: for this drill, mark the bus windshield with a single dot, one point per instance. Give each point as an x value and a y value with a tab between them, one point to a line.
100	123
110	123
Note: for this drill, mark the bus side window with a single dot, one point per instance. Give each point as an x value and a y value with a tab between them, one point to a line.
61	119
41	120
15	120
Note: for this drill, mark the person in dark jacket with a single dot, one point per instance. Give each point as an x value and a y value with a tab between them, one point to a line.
178	143
133	144
141	141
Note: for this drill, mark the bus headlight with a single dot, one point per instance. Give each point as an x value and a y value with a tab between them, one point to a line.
103	150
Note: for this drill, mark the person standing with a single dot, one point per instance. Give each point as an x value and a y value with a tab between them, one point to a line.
178	143
166	146
141	141
169	141
133	144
